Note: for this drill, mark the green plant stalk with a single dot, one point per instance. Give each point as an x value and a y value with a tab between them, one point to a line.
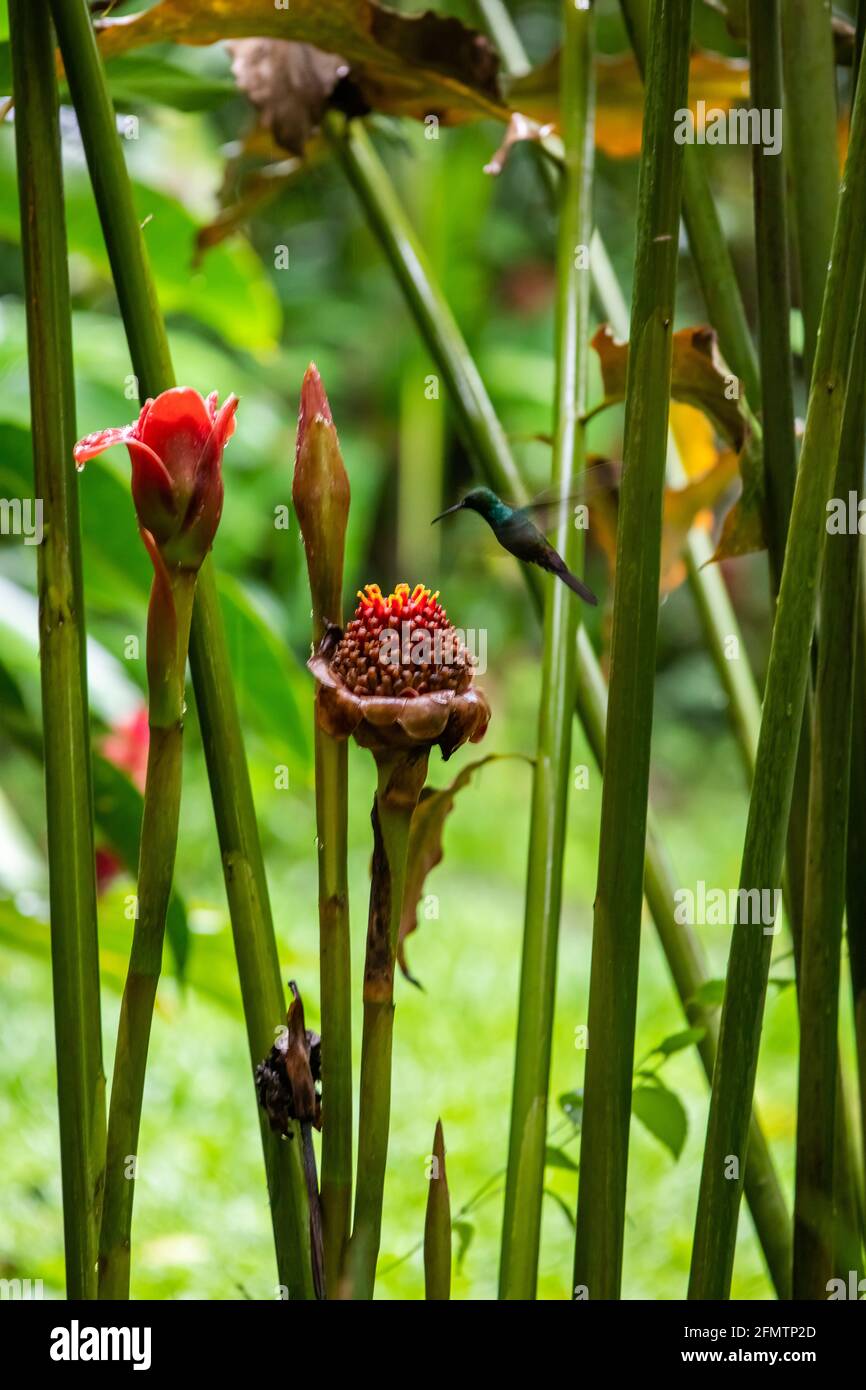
811	149
733	1082
715	268
815	1230
774	302
687	963
400	779
485	440
524	1183
856	868
619	890
157	850
437	1227
332	800
243	866
69	802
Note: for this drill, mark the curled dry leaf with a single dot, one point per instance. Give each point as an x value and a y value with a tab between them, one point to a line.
699	377
290	85
720	82
425	847
404	64
287	1079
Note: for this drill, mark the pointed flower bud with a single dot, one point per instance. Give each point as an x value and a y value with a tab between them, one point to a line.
320	494
176	448
399	677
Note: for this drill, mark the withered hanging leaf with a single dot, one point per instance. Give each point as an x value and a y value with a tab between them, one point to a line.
682	508
286	1081
425	847
743	527
698	377
720	82
290	85
405	64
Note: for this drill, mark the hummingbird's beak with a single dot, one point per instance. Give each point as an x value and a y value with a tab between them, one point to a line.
458	506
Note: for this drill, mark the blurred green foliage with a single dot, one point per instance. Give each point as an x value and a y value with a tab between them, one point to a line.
238	323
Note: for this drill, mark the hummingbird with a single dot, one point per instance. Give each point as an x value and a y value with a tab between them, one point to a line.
516	532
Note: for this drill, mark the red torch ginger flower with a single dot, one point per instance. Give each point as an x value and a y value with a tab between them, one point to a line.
399	676
176	447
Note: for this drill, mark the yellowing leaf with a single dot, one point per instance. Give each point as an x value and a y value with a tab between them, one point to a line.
720	82
406	64
698	378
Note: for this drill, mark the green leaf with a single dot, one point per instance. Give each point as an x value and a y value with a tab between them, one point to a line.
677	1042
662	1113
229	293
271	687
710	995
465	1232
571	1104
562	1204
558	1158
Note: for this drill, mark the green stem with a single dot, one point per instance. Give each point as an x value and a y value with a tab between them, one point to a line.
619	890
521	1231
486	443
243	865
774	303
157	852
810	143
821	1239
715	268
687	963
734	1079
69	803
332	799
400	780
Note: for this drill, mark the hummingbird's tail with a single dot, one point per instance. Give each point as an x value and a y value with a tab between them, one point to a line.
577	585
554	562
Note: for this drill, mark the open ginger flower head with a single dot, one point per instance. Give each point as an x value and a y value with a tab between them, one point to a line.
399	676
176	447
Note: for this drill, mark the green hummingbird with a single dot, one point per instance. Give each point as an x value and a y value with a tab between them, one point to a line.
516	532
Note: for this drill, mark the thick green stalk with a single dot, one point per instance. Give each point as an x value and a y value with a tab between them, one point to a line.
486	443
856	869
774	302
715	268
733	1082
400	779
821	947
524	1184
689	969
810	143
69	804
332	801
619	890
243	866
157	850
826	1234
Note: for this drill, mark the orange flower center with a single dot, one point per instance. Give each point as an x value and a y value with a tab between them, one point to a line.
401	644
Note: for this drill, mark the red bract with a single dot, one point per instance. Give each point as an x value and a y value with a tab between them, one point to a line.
176	447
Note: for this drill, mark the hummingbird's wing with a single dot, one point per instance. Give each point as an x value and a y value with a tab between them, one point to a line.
601	475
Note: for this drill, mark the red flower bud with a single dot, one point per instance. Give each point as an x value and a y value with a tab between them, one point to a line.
176	447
